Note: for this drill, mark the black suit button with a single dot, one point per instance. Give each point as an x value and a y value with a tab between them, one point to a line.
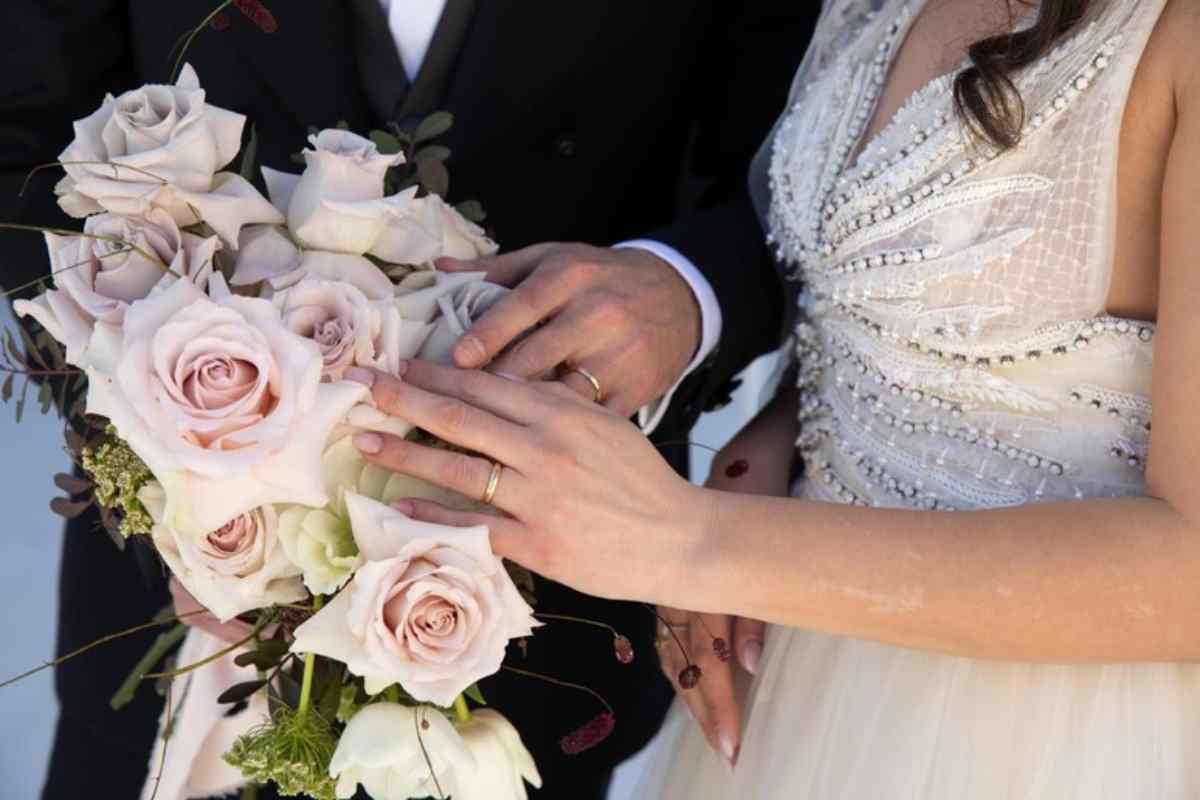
565	147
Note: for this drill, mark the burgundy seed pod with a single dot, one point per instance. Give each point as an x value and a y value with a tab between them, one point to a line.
690	676
595	731
721	648
220	22
257	13
737	469
623	648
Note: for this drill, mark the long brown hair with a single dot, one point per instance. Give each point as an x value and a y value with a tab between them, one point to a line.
985	95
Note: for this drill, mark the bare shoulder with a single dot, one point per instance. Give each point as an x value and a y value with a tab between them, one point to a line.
1173	47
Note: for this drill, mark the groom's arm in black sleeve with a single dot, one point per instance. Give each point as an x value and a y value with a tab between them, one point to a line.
754	57
61	57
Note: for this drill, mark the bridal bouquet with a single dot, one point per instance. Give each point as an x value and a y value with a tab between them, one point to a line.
198	337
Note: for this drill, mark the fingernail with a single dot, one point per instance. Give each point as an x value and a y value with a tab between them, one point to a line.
405	507
470	353
508	376
368	442
401	368
360	375
751	655
728	749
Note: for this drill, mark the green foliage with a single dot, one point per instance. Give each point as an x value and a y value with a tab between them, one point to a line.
158	650
118	474
250	156
293	750
34	363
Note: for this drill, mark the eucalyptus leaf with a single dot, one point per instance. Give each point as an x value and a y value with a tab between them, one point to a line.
258	659
240	691
72	484
434	177
386	142
250	155
433	126
472	210
21	399
7	389
69	509
435	151
45	396
31	349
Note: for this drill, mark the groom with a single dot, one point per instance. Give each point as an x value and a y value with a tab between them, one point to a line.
581	121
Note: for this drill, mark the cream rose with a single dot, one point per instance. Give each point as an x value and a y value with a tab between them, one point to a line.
235	568
482	759
162	146
349	329
119	260
320	540
379	750
338	204
432	609
223	403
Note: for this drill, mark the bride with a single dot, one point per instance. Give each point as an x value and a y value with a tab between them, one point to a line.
993	215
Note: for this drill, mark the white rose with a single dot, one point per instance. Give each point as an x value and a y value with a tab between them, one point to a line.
432	609
223	403
162	146
459	309
233	569
119	260
482	759
337	204
380	750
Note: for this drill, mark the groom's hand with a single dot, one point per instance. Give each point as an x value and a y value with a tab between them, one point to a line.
623	315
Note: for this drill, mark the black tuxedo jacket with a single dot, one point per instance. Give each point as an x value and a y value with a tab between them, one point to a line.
575	120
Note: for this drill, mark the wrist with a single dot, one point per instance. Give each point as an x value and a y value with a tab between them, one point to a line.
694	565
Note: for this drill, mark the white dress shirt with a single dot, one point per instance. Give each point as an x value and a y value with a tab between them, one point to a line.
412	23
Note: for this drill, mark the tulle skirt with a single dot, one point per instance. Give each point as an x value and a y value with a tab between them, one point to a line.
832	718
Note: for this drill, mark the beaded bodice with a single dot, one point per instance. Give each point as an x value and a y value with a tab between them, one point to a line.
953	349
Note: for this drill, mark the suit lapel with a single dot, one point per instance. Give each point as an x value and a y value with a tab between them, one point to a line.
383	75
429	88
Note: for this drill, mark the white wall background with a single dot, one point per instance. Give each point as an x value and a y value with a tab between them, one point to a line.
30	545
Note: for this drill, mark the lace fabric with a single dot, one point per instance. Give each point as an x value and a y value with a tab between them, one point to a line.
937	269
953	352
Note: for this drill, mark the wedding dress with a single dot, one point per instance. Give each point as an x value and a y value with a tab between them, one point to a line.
954	353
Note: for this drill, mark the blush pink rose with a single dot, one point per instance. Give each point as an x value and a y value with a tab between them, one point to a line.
432	609
223	403
119	260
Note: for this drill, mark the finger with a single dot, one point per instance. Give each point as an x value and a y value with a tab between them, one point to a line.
505	269
509	538
544	349
539	296
448	418
512	398
716	686
466	474
748	638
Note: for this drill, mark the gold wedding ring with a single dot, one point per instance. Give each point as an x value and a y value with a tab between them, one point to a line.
592	379
493	483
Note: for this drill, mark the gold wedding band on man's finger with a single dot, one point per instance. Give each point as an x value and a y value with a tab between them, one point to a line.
597	389
489	493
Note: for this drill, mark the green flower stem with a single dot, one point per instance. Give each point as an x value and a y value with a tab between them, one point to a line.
310	664
460	709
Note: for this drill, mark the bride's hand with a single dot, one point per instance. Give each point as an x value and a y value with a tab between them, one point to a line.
591	503
712	642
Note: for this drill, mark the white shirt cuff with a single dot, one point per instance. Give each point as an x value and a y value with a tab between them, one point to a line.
710	322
